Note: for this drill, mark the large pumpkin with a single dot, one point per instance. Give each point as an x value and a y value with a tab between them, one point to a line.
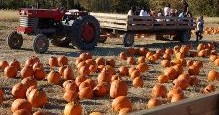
101	89
62	60
37	98
39	74
120	103
123	70
86	93
21	104
73	109
53	62
138	82
19	90
142	67
118	88
213	75
16	64
29	81
104	76
70	96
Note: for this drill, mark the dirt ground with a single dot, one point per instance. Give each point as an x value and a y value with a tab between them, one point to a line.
110	49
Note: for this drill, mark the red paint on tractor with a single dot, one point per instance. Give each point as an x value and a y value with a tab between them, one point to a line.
88	33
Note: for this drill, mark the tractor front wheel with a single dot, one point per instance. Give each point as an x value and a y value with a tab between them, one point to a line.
128	39
40	44
14	40
85	32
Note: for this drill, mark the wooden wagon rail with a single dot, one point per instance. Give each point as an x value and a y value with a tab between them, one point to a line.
139	23
203	105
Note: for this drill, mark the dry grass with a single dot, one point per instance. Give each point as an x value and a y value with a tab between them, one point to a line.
9	15
211	20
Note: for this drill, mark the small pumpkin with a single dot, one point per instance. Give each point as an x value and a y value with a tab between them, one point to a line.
19	90
80	79
39	74
142	67
213	75
123	56
131	61
22	112
143	51
68	73
37	65
71	86
138	82
104	77
100	61
91	82
163	79
54	77
159	91
37	98
209	89
177	97
86	93
62	60
123	70
169	51
135	73
171	73
29	81
120	103
3	64
93	68
30	89
173	91
61	69
27	71
70	96
141	59
10	71
16	64
165	63
84	70
167	56
153	103
216	62
101	89
111	62
83	85
21	104
73	108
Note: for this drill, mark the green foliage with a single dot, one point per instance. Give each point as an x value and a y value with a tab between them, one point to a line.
197	7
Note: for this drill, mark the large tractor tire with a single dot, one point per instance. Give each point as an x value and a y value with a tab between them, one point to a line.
40	44
128	39
14	40
85	32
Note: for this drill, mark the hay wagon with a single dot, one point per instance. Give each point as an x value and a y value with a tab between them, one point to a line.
129	26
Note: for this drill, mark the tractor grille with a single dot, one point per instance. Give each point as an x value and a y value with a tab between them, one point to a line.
27	22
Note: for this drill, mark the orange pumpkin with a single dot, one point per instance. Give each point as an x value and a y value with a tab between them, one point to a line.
96	113
167	56
93	68
73	108
118	88
159	91
101	89
86	93
213	75
131	60
193	70
80	79
62	60
165	63
3	65
1	95
84	70
123	70
22	112
177	97
123	56
111	62
174	91
91	82
37	65
54	77
180	55
68	73
209	89
142	51
29	81
27	71
16	64
19	90
120	103
40	113
153	103
216	62
213	57
21	104
39	74
169	51
142	67
83	85
163	79
61	69
37	98
141	59
30	89
135	73
78	60
70	86
171	73
100	61
70	96
10	71
115	77
104	76
138	82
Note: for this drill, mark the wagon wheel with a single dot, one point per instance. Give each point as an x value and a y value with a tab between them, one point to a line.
85	32
14	40
40	44
128	39
185	36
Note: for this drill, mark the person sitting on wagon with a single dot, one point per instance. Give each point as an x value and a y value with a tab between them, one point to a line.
167	10
143	12
132	11
199	29
185	7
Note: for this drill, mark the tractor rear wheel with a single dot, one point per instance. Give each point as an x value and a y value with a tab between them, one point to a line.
85	32
128	39
14	40
40	44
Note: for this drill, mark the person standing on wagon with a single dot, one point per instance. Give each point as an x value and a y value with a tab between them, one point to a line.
185	7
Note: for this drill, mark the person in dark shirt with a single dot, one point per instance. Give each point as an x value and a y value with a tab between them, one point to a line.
185	6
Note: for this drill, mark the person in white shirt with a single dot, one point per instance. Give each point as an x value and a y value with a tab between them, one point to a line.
132	11
143	12
167	10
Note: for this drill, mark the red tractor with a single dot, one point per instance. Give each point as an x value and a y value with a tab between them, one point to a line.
60	26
